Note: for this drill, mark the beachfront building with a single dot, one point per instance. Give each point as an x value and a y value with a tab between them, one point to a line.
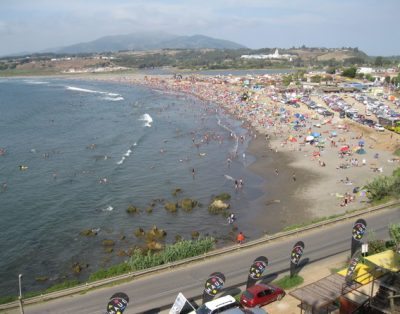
374	288
274	56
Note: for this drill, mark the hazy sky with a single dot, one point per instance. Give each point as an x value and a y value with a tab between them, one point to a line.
371	25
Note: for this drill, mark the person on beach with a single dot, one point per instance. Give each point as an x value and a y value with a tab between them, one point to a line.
236	185
276	171
231	218
240	238
193	173
294	176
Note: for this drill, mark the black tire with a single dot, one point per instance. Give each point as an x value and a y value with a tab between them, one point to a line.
280	297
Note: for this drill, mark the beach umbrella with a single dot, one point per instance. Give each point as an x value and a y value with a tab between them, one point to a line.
344	148
293	140
309	138
297	115
333	133
316	134
361	151
361	143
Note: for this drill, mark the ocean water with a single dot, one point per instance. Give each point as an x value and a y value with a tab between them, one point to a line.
90	149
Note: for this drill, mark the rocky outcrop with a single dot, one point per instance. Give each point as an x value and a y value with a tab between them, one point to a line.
132	209
188	204
171	207
218	207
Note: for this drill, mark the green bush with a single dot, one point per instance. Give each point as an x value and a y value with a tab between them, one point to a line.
376	246
171	253
384	186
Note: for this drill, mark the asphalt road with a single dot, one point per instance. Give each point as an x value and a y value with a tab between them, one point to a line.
156	292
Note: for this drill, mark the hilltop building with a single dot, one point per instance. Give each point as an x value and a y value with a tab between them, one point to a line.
273	56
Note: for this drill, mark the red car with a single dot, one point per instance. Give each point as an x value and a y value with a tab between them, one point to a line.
261	294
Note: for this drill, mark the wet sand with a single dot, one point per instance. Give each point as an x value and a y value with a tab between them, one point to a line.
282	203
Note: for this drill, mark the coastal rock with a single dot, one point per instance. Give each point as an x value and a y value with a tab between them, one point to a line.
154	246
155	233
222	197
107	243
88	233
171	207
195	235
218	207
122	237
178	238
176	191
121	253
139	232
188	204
108	250
132	209
42	278
149	210
76	268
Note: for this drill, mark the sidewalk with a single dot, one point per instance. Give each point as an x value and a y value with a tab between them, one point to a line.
310	273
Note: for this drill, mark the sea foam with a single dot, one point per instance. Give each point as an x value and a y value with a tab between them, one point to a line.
108	95
148	120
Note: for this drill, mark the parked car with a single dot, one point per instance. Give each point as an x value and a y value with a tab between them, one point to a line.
368	122
217	306
327	113
379	127
261	294
244	311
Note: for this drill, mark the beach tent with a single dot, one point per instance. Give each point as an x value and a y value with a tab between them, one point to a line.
361	151
309	138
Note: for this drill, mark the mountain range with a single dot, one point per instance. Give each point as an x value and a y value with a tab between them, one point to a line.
148	41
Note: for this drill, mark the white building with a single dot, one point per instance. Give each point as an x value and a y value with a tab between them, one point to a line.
365	70
274	56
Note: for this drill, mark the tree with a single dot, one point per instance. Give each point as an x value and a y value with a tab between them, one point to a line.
331	70
369	77
350	72
387	79
316	79
379	61
394	232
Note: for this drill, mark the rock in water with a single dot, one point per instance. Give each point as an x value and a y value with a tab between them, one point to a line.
218	207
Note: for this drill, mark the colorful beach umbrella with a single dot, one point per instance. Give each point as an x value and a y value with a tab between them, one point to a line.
361	151
344	148
309	138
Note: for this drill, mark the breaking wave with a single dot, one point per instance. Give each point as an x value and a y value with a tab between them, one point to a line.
148	120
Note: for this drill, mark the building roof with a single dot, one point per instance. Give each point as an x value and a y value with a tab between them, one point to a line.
323	292
388	260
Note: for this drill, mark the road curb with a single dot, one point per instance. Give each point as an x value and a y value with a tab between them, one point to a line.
265	239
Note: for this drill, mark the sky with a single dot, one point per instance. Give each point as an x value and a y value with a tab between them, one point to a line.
370	25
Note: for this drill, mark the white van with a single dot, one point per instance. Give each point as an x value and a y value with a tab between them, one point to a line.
217	306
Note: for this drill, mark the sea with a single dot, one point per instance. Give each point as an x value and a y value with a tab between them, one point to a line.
76	153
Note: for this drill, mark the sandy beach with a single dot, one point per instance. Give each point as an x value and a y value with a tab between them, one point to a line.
309	181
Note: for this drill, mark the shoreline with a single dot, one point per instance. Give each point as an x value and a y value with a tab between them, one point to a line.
317	191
